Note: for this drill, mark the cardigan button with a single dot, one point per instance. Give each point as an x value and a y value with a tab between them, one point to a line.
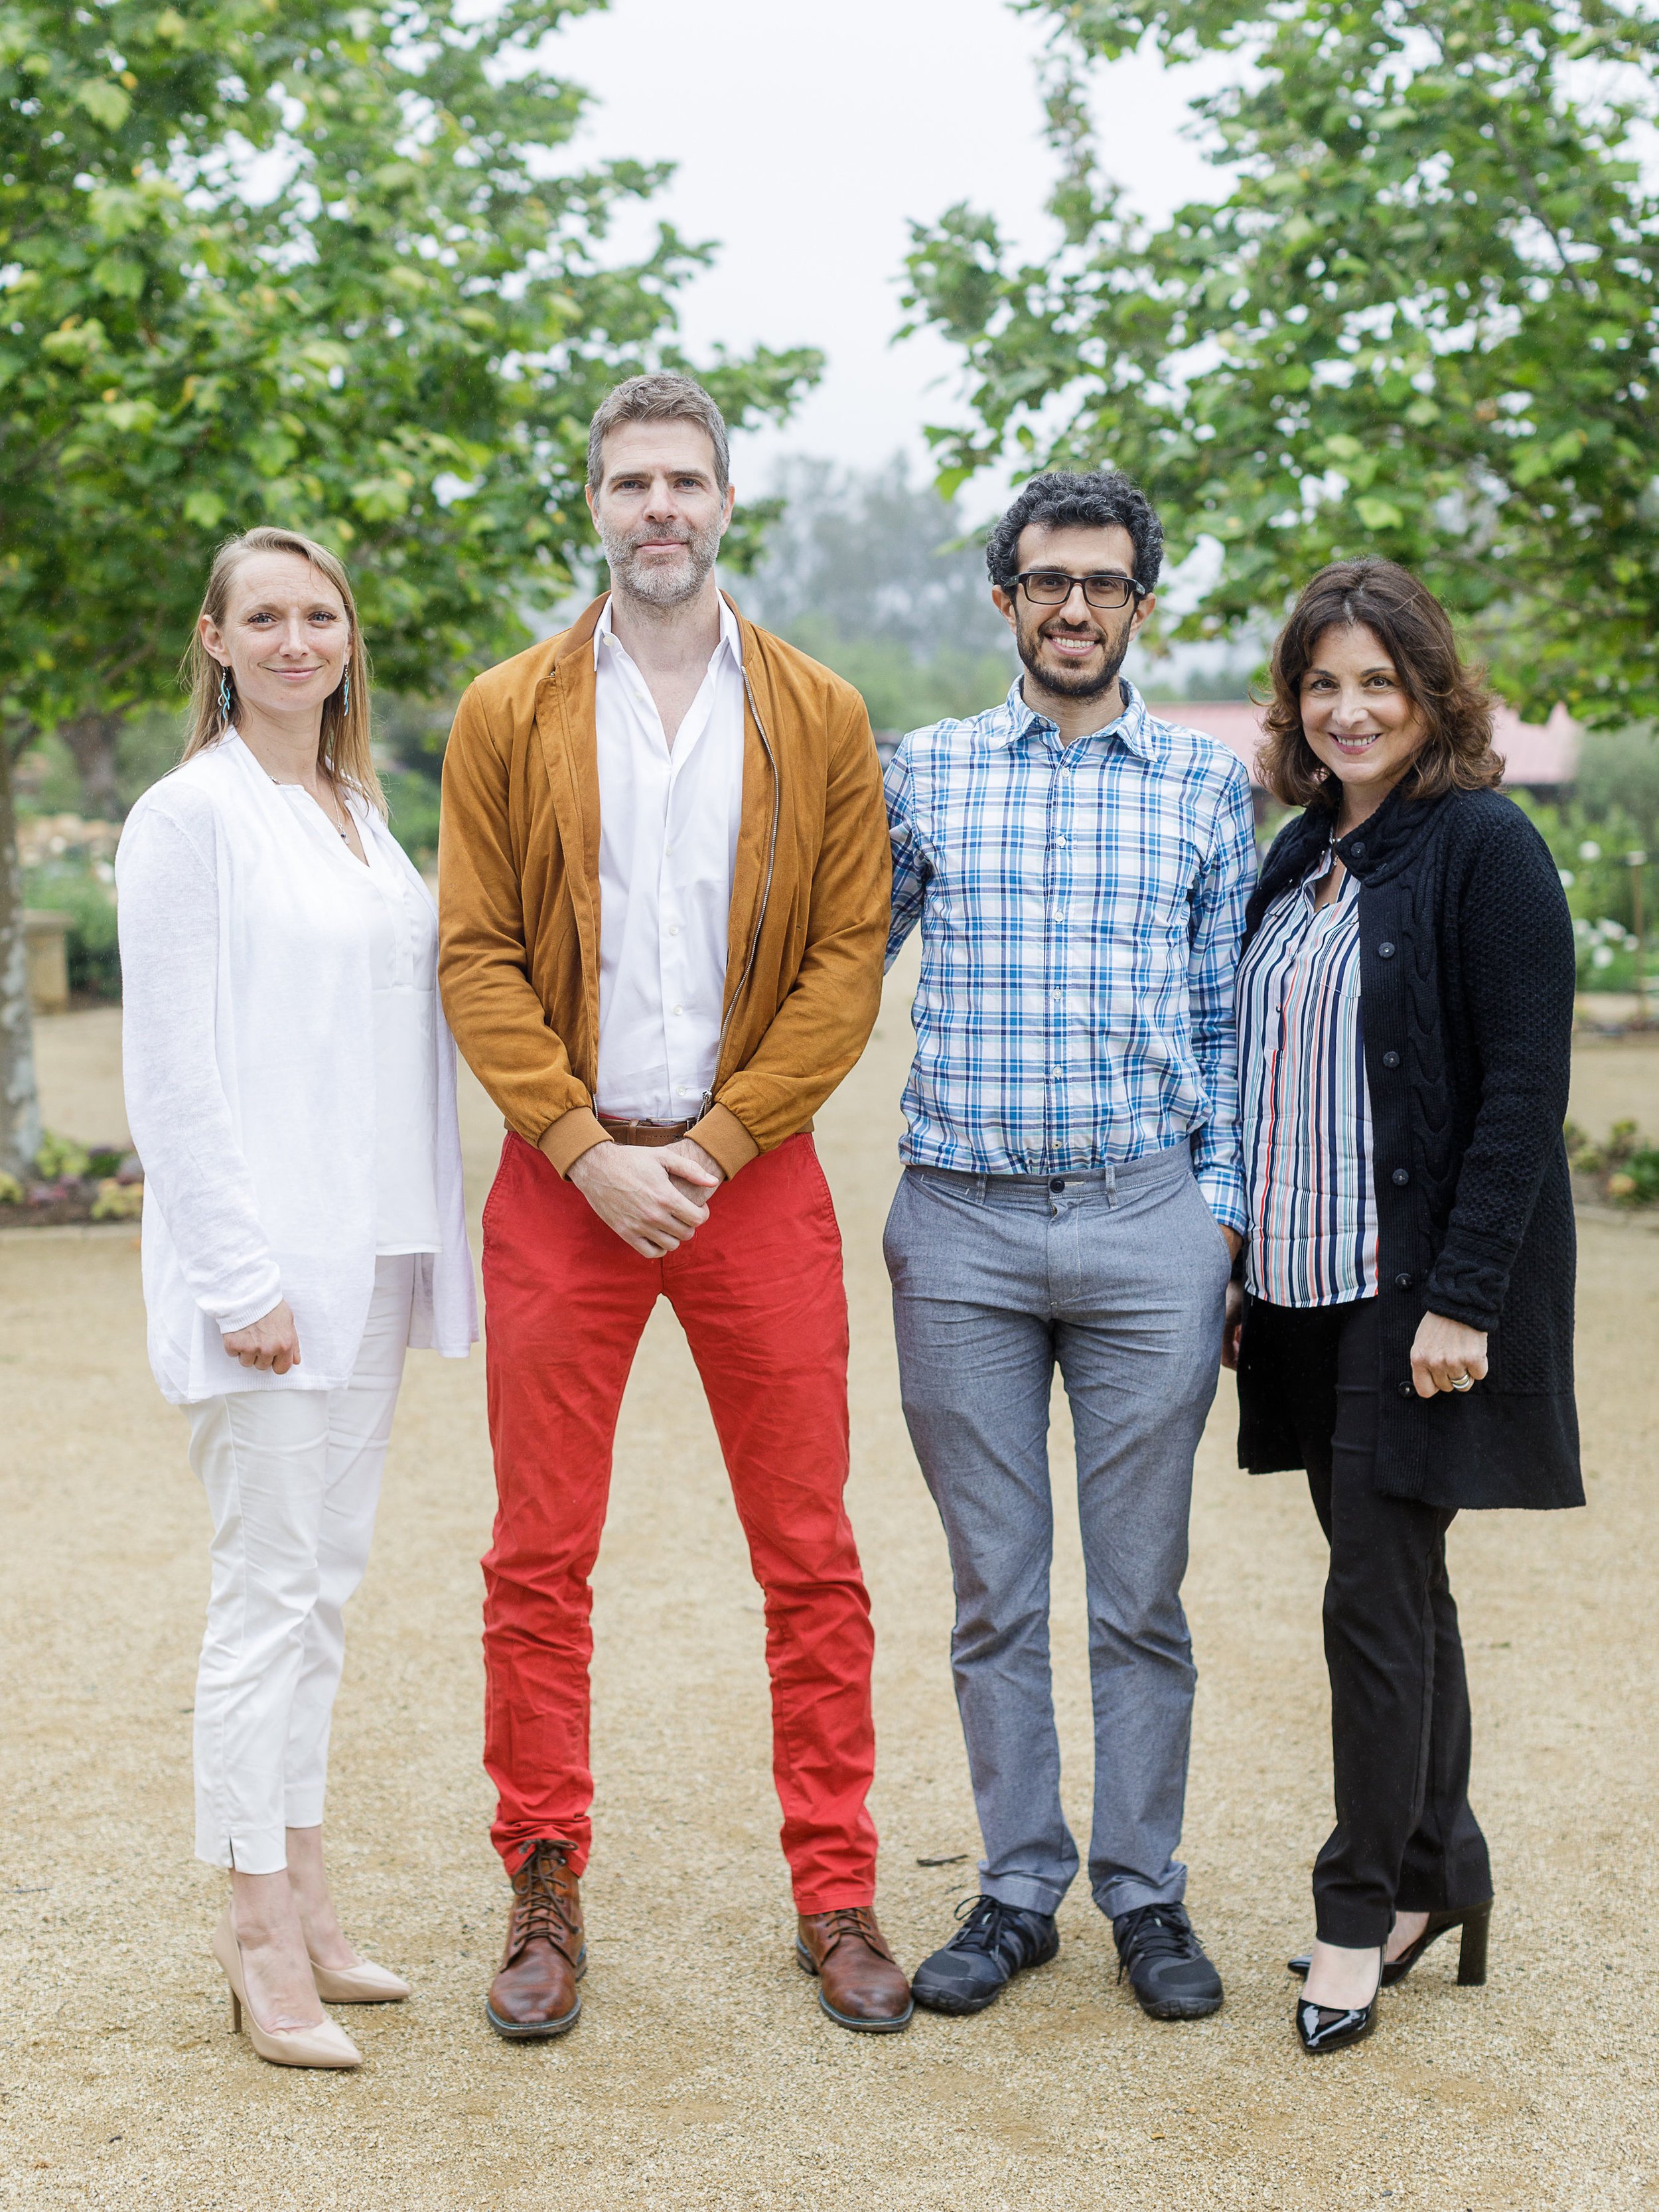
1391	1059
1385	952
1357	845
1401	1175
1404	1389
1402	1282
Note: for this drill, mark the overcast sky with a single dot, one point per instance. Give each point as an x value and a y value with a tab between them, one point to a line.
808	137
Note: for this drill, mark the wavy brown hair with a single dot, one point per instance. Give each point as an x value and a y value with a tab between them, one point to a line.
343	745
1415	629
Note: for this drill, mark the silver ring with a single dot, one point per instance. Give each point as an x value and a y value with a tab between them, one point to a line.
1464	1382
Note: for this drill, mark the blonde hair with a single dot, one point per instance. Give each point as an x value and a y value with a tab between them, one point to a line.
342	745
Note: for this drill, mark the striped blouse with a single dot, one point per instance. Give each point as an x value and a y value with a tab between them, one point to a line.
1305	1110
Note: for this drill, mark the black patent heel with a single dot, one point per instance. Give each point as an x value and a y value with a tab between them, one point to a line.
1321	2028
1471	1953
1474	1924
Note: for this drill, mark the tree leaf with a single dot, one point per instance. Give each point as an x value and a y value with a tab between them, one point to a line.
106	103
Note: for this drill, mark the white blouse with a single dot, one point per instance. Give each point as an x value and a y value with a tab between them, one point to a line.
290	1079
403	952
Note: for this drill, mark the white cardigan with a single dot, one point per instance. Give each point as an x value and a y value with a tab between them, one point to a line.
248	1051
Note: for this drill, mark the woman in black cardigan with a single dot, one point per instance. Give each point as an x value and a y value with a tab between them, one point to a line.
1407	1329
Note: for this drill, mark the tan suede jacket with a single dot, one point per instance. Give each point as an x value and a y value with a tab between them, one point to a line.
519	895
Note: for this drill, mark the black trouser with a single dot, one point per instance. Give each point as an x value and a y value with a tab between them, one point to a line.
1405	1838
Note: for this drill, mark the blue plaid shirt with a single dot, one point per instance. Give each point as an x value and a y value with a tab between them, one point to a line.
1081	908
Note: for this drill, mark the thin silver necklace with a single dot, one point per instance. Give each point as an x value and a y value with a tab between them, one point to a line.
340	830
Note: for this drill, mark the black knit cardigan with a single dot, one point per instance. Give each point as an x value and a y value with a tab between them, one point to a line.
1467	977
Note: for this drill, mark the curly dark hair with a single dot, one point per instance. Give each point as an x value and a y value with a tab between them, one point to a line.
1061	499
1452	697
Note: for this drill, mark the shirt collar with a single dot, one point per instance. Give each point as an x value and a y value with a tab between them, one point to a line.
731	633
1015	719
1318	868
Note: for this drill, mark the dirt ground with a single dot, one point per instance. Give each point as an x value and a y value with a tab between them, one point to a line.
703	2073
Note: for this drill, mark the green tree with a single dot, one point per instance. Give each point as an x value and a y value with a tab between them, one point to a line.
307	263
883	580
1421	322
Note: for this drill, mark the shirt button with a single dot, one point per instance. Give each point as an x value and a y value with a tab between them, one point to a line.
1391	1059
679	1010
673	929
1057	1072
1402	1282
1385	952
1404	1389
1400	1175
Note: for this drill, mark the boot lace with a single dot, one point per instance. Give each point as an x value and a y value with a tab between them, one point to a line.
850	1920
542	1905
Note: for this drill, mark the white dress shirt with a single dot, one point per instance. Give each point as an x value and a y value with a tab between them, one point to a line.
252	1045
668	841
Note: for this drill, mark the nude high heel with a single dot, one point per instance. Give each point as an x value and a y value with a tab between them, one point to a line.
363	1984
326	2044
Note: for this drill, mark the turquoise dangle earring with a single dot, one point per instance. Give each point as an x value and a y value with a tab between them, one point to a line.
345	694
224	695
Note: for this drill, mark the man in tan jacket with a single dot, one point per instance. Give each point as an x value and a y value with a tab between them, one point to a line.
664	889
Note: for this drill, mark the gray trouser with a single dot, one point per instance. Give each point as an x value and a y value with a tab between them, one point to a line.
1120	1275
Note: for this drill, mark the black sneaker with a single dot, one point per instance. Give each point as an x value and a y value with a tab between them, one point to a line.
996	1942
1165	1963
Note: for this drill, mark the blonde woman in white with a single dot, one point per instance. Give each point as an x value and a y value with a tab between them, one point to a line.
291	1091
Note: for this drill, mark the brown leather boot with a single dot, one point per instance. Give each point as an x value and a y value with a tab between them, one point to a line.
535	1993
859	1985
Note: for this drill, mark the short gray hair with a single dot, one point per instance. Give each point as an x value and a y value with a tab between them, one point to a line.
662	397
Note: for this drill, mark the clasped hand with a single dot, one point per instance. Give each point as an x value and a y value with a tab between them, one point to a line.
655	1197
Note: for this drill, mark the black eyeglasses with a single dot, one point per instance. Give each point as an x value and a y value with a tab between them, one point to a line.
1052	587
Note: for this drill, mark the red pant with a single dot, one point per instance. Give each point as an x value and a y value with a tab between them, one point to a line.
758	1291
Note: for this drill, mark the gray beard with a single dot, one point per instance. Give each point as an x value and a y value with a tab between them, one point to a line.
656	587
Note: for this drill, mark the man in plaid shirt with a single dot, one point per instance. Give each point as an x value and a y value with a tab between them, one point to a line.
1073	1194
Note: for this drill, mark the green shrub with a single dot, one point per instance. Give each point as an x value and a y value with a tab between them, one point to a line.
60	1157
901	692
1593	854
412	799
1626	1167
75	887
118	1202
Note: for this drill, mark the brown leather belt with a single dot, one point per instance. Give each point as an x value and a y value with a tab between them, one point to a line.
645	1133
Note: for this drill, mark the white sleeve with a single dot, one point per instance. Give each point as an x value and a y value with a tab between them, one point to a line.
168	914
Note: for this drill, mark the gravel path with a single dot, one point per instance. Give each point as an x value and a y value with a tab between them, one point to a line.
703	2073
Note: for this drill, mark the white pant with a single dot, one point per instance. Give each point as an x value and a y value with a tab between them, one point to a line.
292	1478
